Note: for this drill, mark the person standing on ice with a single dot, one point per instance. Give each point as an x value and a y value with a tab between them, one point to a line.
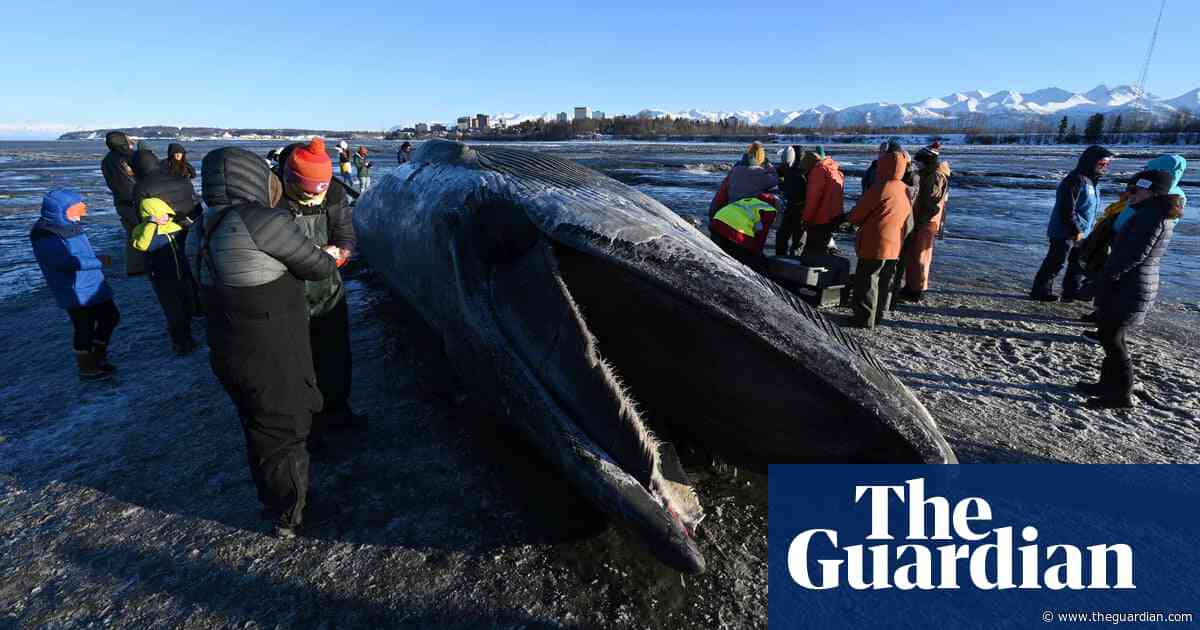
117	168
251	260
881	215
73	273
343	151
363	166
167	205
794	184
1128	283
1075	204
933	190
320	206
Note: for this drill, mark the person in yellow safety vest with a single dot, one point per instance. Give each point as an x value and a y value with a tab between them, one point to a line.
740	227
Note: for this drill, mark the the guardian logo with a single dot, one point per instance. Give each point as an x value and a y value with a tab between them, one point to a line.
922	566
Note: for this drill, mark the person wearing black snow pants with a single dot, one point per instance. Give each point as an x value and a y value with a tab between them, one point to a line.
1075	203
1128	284
251	261
321	207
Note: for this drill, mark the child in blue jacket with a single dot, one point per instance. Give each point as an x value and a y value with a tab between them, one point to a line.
73	273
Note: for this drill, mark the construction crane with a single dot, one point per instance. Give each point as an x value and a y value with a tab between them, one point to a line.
1140	88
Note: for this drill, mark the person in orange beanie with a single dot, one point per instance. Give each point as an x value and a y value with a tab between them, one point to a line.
321	206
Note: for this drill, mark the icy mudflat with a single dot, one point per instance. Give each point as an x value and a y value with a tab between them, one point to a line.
130	504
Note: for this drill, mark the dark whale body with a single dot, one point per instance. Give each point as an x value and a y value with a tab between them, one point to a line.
596	318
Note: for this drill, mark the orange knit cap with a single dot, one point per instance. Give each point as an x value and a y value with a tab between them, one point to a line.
309	167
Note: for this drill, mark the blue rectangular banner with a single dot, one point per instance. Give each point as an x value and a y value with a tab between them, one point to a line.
983	546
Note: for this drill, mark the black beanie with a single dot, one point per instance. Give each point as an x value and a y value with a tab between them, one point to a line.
1157	182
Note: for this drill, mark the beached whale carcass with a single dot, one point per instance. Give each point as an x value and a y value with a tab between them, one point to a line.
591	312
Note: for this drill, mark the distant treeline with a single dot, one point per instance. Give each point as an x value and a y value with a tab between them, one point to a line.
1181	129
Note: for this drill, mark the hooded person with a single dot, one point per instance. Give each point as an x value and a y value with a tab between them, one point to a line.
72	270
1128	283
320	206
251	260
176	162
167	205
117	167
880	215
868	177
1075	204
932	192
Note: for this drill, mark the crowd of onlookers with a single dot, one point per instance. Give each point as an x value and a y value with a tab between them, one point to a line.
257	256
900	214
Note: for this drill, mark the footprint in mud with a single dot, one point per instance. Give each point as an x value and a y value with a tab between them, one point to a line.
1010	352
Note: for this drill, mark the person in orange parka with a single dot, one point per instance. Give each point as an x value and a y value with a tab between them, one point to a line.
880	215
822	200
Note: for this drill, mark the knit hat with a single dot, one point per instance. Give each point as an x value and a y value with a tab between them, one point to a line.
1157	182
819	151
309	168
788	155
342	145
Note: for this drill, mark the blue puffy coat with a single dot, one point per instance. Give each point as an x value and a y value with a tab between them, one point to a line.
1076	200
1129	281
65	255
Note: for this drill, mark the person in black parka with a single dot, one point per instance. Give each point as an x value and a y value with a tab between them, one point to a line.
1128	283
321	207
169	274
251	260
794	184
176	162
117	167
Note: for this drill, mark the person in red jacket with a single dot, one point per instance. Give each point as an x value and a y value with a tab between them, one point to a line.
823	199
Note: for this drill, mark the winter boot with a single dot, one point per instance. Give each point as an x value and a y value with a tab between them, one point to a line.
89	370
100	351
1119	401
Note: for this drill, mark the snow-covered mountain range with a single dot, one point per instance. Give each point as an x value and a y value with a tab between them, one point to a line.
975	108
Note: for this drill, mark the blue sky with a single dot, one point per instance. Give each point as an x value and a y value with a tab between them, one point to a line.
371	65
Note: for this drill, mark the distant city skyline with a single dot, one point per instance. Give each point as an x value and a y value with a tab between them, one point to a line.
297	65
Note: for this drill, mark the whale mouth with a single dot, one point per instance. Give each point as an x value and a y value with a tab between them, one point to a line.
712	383
582	414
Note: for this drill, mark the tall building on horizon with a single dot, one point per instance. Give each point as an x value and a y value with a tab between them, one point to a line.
562	117
583	113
